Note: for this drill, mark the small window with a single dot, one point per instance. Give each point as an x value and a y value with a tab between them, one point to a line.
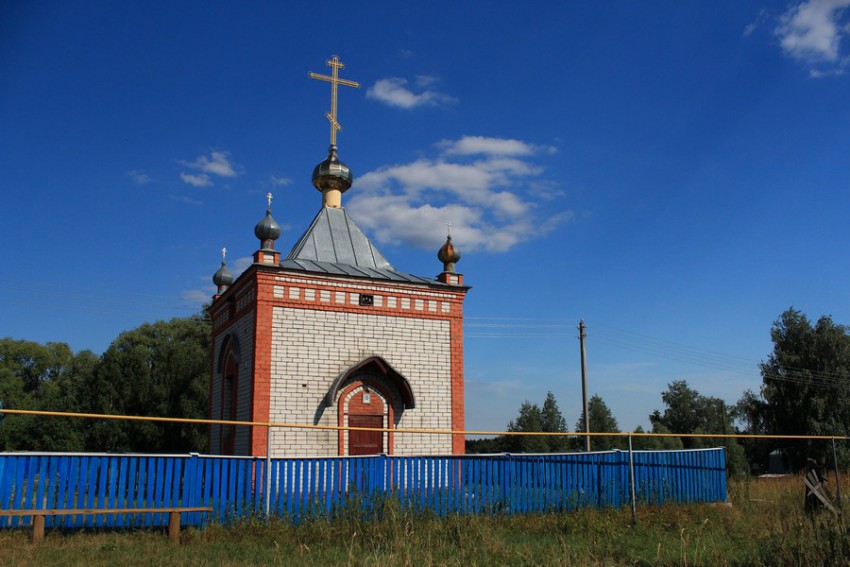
367	300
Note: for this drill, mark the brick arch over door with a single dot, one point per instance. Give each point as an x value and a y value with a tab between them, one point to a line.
373	394
363	403
379	367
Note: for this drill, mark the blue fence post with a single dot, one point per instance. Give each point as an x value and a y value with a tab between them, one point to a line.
305	487
505	480
632	488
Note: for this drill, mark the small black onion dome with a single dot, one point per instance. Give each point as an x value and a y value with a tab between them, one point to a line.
332	173
267	229
448	253
223	277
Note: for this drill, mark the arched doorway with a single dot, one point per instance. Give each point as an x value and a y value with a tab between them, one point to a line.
365	407
370	394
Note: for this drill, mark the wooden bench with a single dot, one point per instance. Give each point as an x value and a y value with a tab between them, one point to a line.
38	517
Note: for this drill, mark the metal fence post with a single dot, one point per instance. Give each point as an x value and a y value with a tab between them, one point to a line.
632	489
268	470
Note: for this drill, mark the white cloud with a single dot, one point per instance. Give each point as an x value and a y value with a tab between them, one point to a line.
425	81
754	25
471	145
139	177
240	265
811	32
279	181
490	202
199	180
185	199
394	92
198	297
218	164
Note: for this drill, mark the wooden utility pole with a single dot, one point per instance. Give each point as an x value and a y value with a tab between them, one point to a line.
581	335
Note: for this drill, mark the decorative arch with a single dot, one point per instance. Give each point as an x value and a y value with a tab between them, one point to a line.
230	345
228	368
373	365
370	394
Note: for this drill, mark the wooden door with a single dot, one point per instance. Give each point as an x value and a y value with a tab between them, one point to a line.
365	442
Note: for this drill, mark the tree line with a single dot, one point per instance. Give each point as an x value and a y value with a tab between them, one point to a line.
686	411
159	369
162	369
805	390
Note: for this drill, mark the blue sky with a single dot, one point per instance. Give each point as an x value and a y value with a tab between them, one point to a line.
676	173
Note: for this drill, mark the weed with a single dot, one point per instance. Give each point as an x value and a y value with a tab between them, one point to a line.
766	526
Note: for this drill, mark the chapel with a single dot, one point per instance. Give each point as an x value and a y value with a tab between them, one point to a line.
332	334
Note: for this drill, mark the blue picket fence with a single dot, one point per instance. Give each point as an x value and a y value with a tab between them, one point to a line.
297	488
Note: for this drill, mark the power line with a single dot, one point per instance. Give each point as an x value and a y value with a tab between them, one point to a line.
646	344
101	301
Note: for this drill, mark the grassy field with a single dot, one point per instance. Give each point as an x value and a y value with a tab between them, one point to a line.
764	525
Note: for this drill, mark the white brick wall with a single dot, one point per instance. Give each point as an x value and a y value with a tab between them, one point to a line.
310	348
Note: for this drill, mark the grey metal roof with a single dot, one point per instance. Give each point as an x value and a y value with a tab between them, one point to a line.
335	245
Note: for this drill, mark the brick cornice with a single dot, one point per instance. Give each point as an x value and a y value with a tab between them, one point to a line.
334	294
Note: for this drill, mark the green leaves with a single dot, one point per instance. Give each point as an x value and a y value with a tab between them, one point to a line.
805	387
601	421
158	369
688	411
531	418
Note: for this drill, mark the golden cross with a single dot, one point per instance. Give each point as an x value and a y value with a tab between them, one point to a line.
334	80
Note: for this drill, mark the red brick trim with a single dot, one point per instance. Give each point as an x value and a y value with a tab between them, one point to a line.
453	297
458	417
262	364
342	411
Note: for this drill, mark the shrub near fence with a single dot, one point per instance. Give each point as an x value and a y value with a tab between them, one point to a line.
308	487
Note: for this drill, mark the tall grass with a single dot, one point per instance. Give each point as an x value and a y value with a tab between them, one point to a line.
764	525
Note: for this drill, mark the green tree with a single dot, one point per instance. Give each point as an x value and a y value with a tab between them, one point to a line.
656	443
554	422
529	419
489	445
34	377
805	387
749	414
688	412
159	369
683	413
601	421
